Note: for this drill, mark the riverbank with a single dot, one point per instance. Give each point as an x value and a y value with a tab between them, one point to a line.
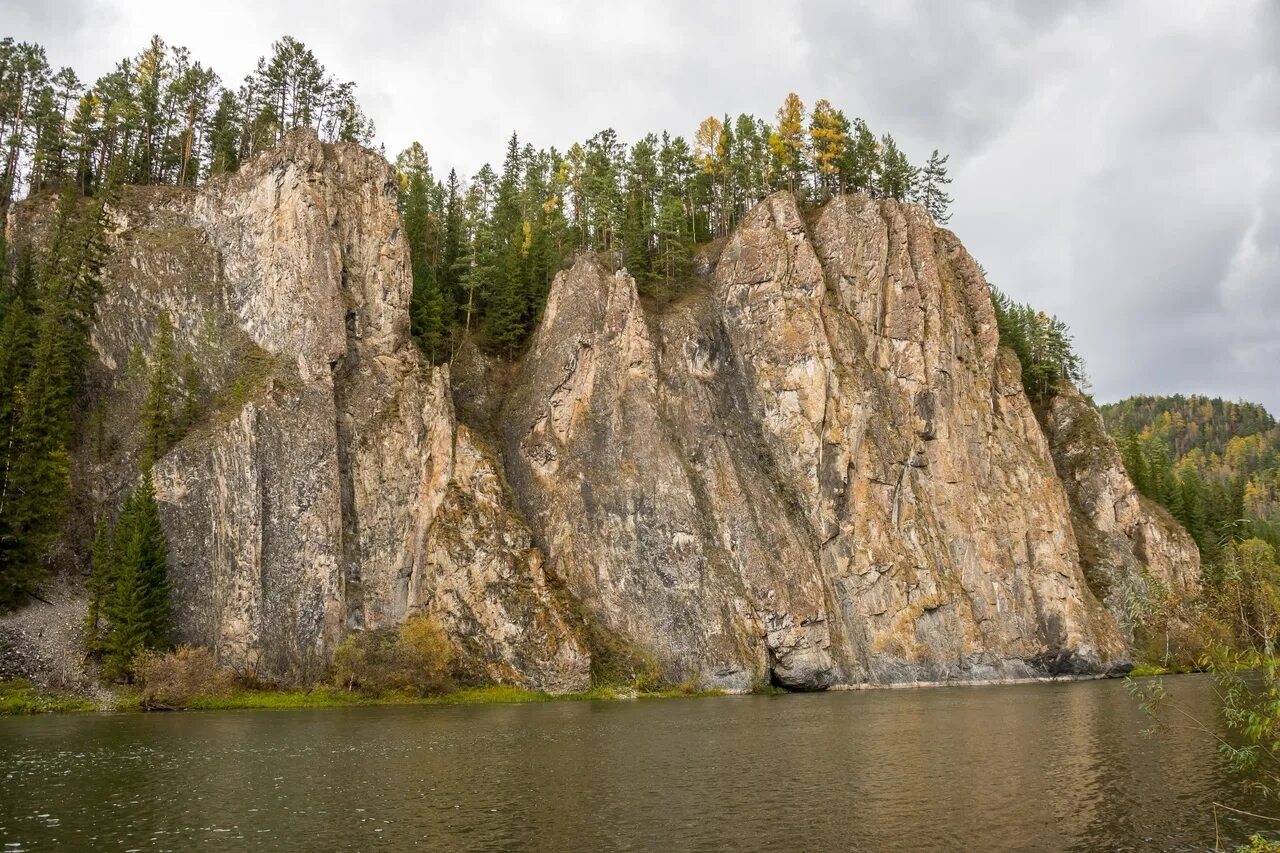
20	698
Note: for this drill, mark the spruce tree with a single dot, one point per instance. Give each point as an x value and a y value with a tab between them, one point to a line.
224	135
674	240
162	387
102	575
137	607
193	392
422	234
452	261
36	488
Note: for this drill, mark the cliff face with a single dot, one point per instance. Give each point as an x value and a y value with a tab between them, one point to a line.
331	489
816	468
820	471
1131	549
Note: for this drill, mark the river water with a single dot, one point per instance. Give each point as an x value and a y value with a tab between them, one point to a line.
1029	767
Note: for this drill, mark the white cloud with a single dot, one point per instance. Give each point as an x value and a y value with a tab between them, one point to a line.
1117	164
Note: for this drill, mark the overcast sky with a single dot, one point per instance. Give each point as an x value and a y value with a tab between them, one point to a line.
1117	164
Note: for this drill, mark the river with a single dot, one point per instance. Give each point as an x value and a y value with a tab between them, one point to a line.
1028	767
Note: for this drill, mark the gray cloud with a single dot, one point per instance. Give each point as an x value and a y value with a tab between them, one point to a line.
1116	164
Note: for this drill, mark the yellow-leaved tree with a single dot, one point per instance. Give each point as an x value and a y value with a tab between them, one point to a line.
829	135
787	142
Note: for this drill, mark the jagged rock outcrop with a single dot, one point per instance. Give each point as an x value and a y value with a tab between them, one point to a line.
821	470
1132	550
331	489
815	468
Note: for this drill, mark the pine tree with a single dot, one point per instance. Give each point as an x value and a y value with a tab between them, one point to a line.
151	74
897	175
24	80
749	163
860	165
931	189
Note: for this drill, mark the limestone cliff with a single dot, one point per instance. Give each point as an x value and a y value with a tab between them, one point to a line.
816	468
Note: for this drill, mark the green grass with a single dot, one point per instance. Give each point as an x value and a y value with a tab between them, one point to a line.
20	697
1145	670
320	697
493	694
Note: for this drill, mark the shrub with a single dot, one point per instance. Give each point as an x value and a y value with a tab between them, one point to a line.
426	654
172	680
417	656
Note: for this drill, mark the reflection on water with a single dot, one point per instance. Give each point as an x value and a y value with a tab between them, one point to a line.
1041	767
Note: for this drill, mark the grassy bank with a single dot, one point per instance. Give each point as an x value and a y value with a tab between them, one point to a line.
496	694
21	698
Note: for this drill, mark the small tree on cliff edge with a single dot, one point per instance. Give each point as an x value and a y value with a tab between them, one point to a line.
931	188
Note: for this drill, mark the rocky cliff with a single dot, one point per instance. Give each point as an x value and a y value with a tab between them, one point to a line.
329	488
819	470
1132	551
816	468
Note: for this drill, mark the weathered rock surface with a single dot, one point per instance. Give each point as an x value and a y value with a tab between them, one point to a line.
332	488
1131	549
817	468
820	471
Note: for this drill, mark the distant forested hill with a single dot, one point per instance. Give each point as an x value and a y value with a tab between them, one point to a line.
1213	463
